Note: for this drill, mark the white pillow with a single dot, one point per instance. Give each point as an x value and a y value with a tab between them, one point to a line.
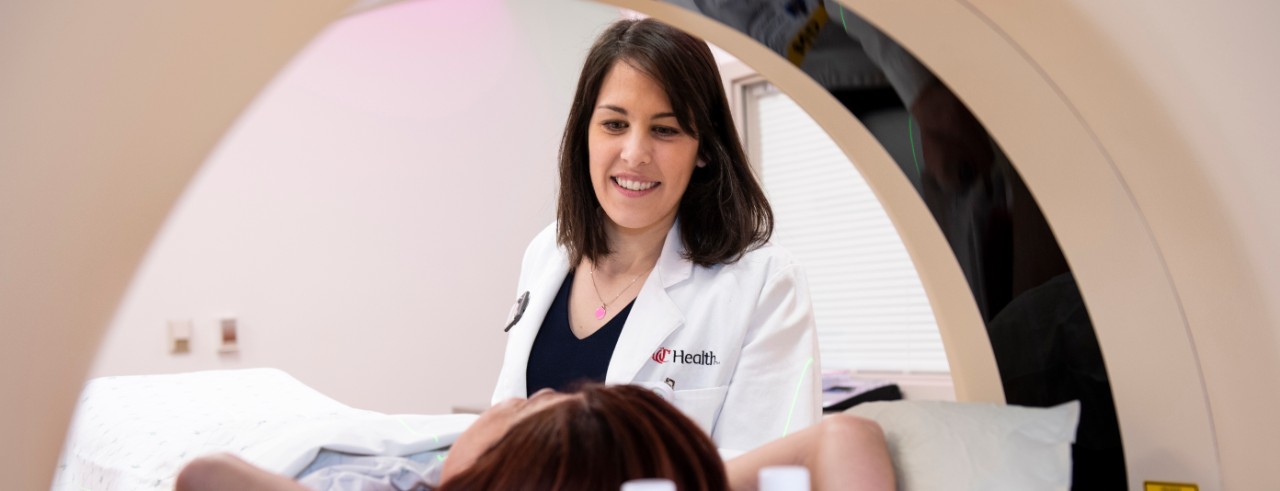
939	445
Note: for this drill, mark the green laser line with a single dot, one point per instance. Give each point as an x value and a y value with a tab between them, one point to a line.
912	138
796	398
416	432
407	427
846	26
440	457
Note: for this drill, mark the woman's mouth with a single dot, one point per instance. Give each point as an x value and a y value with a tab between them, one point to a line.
634	187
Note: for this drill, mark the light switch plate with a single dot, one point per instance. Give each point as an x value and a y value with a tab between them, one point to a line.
179	336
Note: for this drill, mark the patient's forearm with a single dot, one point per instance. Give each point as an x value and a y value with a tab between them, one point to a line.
842	452
225	472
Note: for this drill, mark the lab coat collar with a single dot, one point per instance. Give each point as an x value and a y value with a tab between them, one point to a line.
654	316
672	266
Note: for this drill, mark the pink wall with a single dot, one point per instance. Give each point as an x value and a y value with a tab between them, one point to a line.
327	221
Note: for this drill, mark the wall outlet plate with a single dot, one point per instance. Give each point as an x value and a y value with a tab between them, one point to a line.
228	328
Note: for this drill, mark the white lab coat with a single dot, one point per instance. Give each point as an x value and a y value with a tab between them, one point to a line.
736	341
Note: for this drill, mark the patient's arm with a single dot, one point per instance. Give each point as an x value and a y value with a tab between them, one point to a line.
225	472
842	452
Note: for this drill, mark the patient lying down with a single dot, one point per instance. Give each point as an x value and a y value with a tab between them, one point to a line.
601	437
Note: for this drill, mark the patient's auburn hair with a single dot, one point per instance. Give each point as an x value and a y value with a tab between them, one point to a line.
611	435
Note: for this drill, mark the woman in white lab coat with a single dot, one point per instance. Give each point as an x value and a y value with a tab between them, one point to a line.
658	271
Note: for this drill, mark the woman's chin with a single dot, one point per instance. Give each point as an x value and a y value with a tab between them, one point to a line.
641	223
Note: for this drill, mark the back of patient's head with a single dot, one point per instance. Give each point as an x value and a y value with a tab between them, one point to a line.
609	436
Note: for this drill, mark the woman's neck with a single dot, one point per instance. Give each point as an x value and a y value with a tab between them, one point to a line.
635	251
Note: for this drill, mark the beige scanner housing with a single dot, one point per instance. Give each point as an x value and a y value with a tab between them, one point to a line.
1145	131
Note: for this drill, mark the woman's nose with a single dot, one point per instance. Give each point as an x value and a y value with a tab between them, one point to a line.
637	149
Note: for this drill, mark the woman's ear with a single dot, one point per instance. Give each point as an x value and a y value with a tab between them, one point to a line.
701	163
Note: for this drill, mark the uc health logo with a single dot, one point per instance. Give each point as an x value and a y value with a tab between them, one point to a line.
683	357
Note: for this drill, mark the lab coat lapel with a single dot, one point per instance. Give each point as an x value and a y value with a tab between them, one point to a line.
654	316
542	291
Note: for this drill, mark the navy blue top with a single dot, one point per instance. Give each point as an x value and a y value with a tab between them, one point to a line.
559	359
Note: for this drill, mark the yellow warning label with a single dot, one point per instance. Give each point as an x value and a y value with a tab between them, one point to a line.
799	45
1169	486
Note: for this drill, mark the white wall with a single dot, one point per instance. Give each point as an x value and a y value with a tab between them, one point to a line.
387	181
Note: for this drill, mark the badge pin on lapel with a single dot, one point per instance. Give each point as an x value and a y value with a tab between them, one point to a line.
517	311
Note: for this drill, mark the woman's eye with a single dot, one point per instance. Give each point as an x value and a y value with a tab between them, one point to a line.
614	125
665	131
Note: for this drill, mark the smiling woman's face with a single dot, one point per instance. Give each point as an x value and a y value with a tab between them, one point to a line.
492	425
641	160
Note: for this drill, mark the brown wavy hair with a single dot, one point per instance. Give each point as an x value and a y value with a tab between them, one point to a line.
724	212
612	434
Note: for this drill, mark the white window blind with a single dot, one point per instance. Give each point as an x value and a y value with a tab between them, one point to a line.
871	310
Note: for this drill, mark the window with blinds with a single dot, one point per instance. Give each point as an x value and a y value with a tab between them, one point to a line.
871	309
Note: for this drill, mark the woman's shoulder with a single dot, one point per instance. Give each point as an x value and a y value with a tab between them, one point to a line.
546	238
768	258
771	253
542	246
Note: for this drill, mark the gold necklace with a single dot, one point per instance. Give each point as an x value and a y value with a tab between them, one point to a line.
604	306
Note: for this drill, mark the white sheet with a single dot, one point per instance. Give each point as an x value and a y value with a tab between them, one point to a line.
136	432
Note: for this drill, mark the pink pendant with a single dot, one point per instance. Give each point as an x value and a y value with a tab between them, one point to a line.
600	312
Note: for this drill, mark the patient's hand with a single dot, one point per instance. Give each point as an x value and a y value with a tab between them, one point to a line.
842	452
